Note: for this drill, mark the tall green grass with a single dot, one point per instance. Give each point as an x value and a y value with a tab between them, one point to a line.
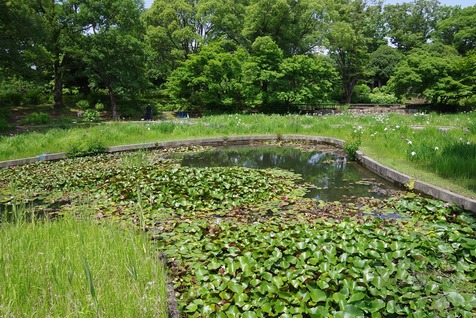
77	268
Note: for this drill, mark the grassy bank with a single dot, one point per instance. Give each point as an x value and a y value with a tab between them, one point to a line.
71	268
435	148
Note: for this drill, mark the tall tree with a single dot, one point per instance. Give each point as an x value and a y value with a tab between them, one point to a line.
435	72
382	63
175	29
348	41
113	46
226	19
459	29
295	26
211	78
412	24
20	30
56	17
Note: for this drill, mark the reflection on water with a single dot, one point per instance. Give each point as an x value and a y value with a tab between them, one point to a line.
332	176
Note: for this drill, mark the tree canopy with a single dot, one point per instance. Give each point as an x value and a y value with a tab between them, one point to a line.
224	55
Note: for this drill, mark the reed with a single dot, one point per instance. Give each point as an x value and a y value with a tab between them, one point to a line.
77	268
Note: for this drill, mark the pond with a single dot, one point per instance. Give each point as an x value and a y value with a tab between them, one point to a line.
330	175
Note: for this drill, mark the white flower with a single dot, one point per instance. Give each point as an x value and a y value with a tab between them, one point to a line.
409	142
413	153
468	143
436	148
397	126
461	139
385	129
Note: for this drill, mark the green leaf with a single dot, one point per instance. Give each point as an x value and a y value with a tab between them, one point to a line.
191	308
376	305
353	311
456	299
317	295
445	248
378	282
432	288
236	288
233	311
319	311
356	297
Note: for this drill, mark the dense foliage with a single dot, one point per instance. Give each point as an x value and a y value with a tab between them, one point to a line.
234	55
243	242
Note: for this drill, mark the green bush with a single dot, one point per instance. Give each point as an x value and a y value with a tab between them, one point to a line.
378	96
352	145
10	98
99	107
82	104
37	119
361	94
34	97
91	115
4	126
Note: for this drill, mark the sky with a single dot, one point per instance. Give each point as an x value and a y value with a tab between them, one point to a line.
462	3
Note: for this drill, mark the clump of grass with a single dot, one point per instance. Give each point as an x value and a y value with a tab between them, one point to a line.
36	119
70	268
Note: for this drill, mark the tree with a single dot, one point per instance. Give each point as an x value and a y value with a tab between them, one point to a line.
59	32
209	79
224	77
175	29
305	80
19	31
113	46
382	63
295	26
433	72
225	18
348	39
459	29
37	36
412	24
261	73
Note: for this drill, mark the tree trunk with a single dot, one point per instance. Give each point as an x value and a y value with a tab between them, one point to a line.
58	84
112	98
349	84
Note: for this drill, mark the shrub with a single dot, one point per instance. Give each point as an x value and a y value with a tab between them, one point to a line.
83	104
381	97
34	97
36	119
99	107
361	94
10	98
352	145
3	124
91	115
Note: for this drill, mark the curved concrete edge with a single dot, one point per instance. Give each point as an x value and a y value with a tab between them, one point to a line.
379	169
445	195
42	157
420	186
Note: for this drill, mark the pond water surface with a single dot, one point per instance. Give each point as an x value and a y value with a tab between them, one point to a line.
332	177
